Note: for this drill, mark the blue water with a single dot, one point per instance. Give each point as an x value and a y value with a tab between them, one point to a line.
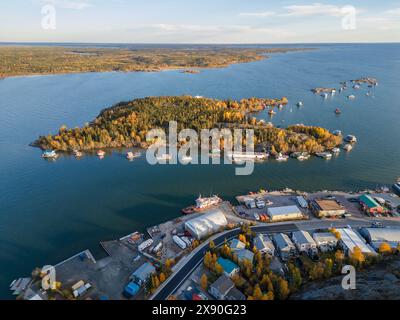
51	210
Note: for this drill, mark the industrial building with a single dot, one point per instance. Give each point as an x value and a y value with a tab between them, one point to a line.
349	239
284	213
206	224
143	273
284	246
327	208
326	241
370	206
303	241
376	236
264	244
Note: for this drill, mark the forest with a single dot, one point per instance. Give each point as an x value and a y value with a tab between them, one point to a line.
35	60
127	123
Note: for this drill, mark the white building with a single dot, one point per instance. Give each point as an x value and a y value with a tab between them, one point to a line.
349	239
303	241
325	241
206	224
376	236
264	244
284	213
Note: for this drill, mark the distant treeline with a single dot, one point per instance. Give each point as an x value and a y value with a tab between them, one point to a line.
127	123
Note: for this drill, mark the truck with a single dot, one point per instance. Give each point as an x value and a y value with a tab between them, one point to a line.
179	242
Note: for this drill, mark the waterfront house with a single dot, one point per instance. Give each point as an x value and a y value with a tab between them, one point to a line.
230	268
303	241
326	241
264	244
284	246
245	254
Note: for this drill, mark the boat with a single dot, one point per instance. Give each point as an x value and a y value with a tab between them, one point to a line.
132	155
101	153
348	147
280	106
77	153
351	97
324	95
281	157
271	112
304	156
325	155
338	111
202	204
242	156
299	104
49	154
335	150
333	91
356	86
350	138
337	132
396	187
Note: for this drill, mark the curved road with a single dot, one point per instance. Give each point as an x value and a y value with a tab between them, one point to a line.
177	278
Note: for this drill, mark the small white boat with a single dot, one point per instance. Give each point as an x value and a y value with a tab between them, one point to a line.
77	153
324	95
299	104
101	153
351	97
303	157
49	154
271	112
335	150
325	155
281	157
356	86
348	147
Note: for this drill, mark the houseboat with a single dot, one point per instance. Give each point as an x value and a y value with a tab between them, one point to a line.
325	155
348	147
350	138
49	154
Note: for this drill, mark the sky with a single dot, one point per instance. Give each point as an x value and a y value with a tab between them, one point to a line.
199	21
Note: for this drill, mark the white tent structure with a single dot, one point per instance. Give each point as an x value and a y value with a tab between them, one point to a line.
206	224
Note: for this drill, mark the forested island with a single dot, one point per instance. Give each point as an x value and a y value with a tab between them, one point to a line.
126	124
35	60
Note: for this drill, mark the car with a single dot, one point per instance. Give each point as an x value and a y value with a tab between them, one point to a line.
376	224
256	216
355	200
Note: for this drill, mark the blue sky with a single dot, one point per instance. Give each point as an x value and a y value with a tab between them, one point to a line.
202	21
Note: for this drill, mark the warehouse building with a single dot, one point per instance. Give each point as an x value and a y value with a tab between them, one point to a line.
326	241
376	236
284	246
303	241
370	206
284	213
143	273
327	208
206	224
264	244
349	239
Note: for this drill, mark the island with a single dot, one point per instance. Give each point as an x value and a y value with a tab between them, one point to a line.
127	123
38	60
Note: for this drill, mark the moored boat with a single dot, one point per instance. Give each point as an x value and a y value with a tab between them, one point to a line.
281	157
351	97
271	112
350	138
337	132
132	155
335	150
338	111
49	154
347	147
101	153
396	187
300	104
325	155
77	154
202	204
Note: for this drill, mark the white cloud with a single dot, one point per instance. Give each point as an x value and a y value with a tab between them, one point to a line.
393	12
257	14
312	10
69	4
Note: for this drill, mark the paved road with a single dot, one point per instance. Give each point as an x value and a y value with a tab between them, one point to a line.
174	281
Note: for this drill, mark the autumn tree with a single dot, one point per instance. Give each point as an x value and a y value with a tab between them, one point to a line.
385	248
357	257
204	281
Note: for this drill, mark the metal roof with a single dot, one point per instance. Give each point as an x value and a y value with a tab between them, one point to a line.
368	201
351	240
227	265
144	271
286	210
383	234
262	241
324	237
302	237
206	223
282	241
223	284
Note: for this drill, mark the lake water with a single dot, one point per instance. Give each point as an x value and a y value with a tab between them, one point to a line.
51	210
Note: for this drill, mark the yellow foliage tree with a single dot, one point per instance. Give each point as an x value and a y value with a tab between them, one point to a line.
204	282
385	248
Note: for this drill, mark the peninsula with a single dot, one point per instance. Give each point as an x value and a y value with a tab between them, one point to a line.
126	124
37	60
